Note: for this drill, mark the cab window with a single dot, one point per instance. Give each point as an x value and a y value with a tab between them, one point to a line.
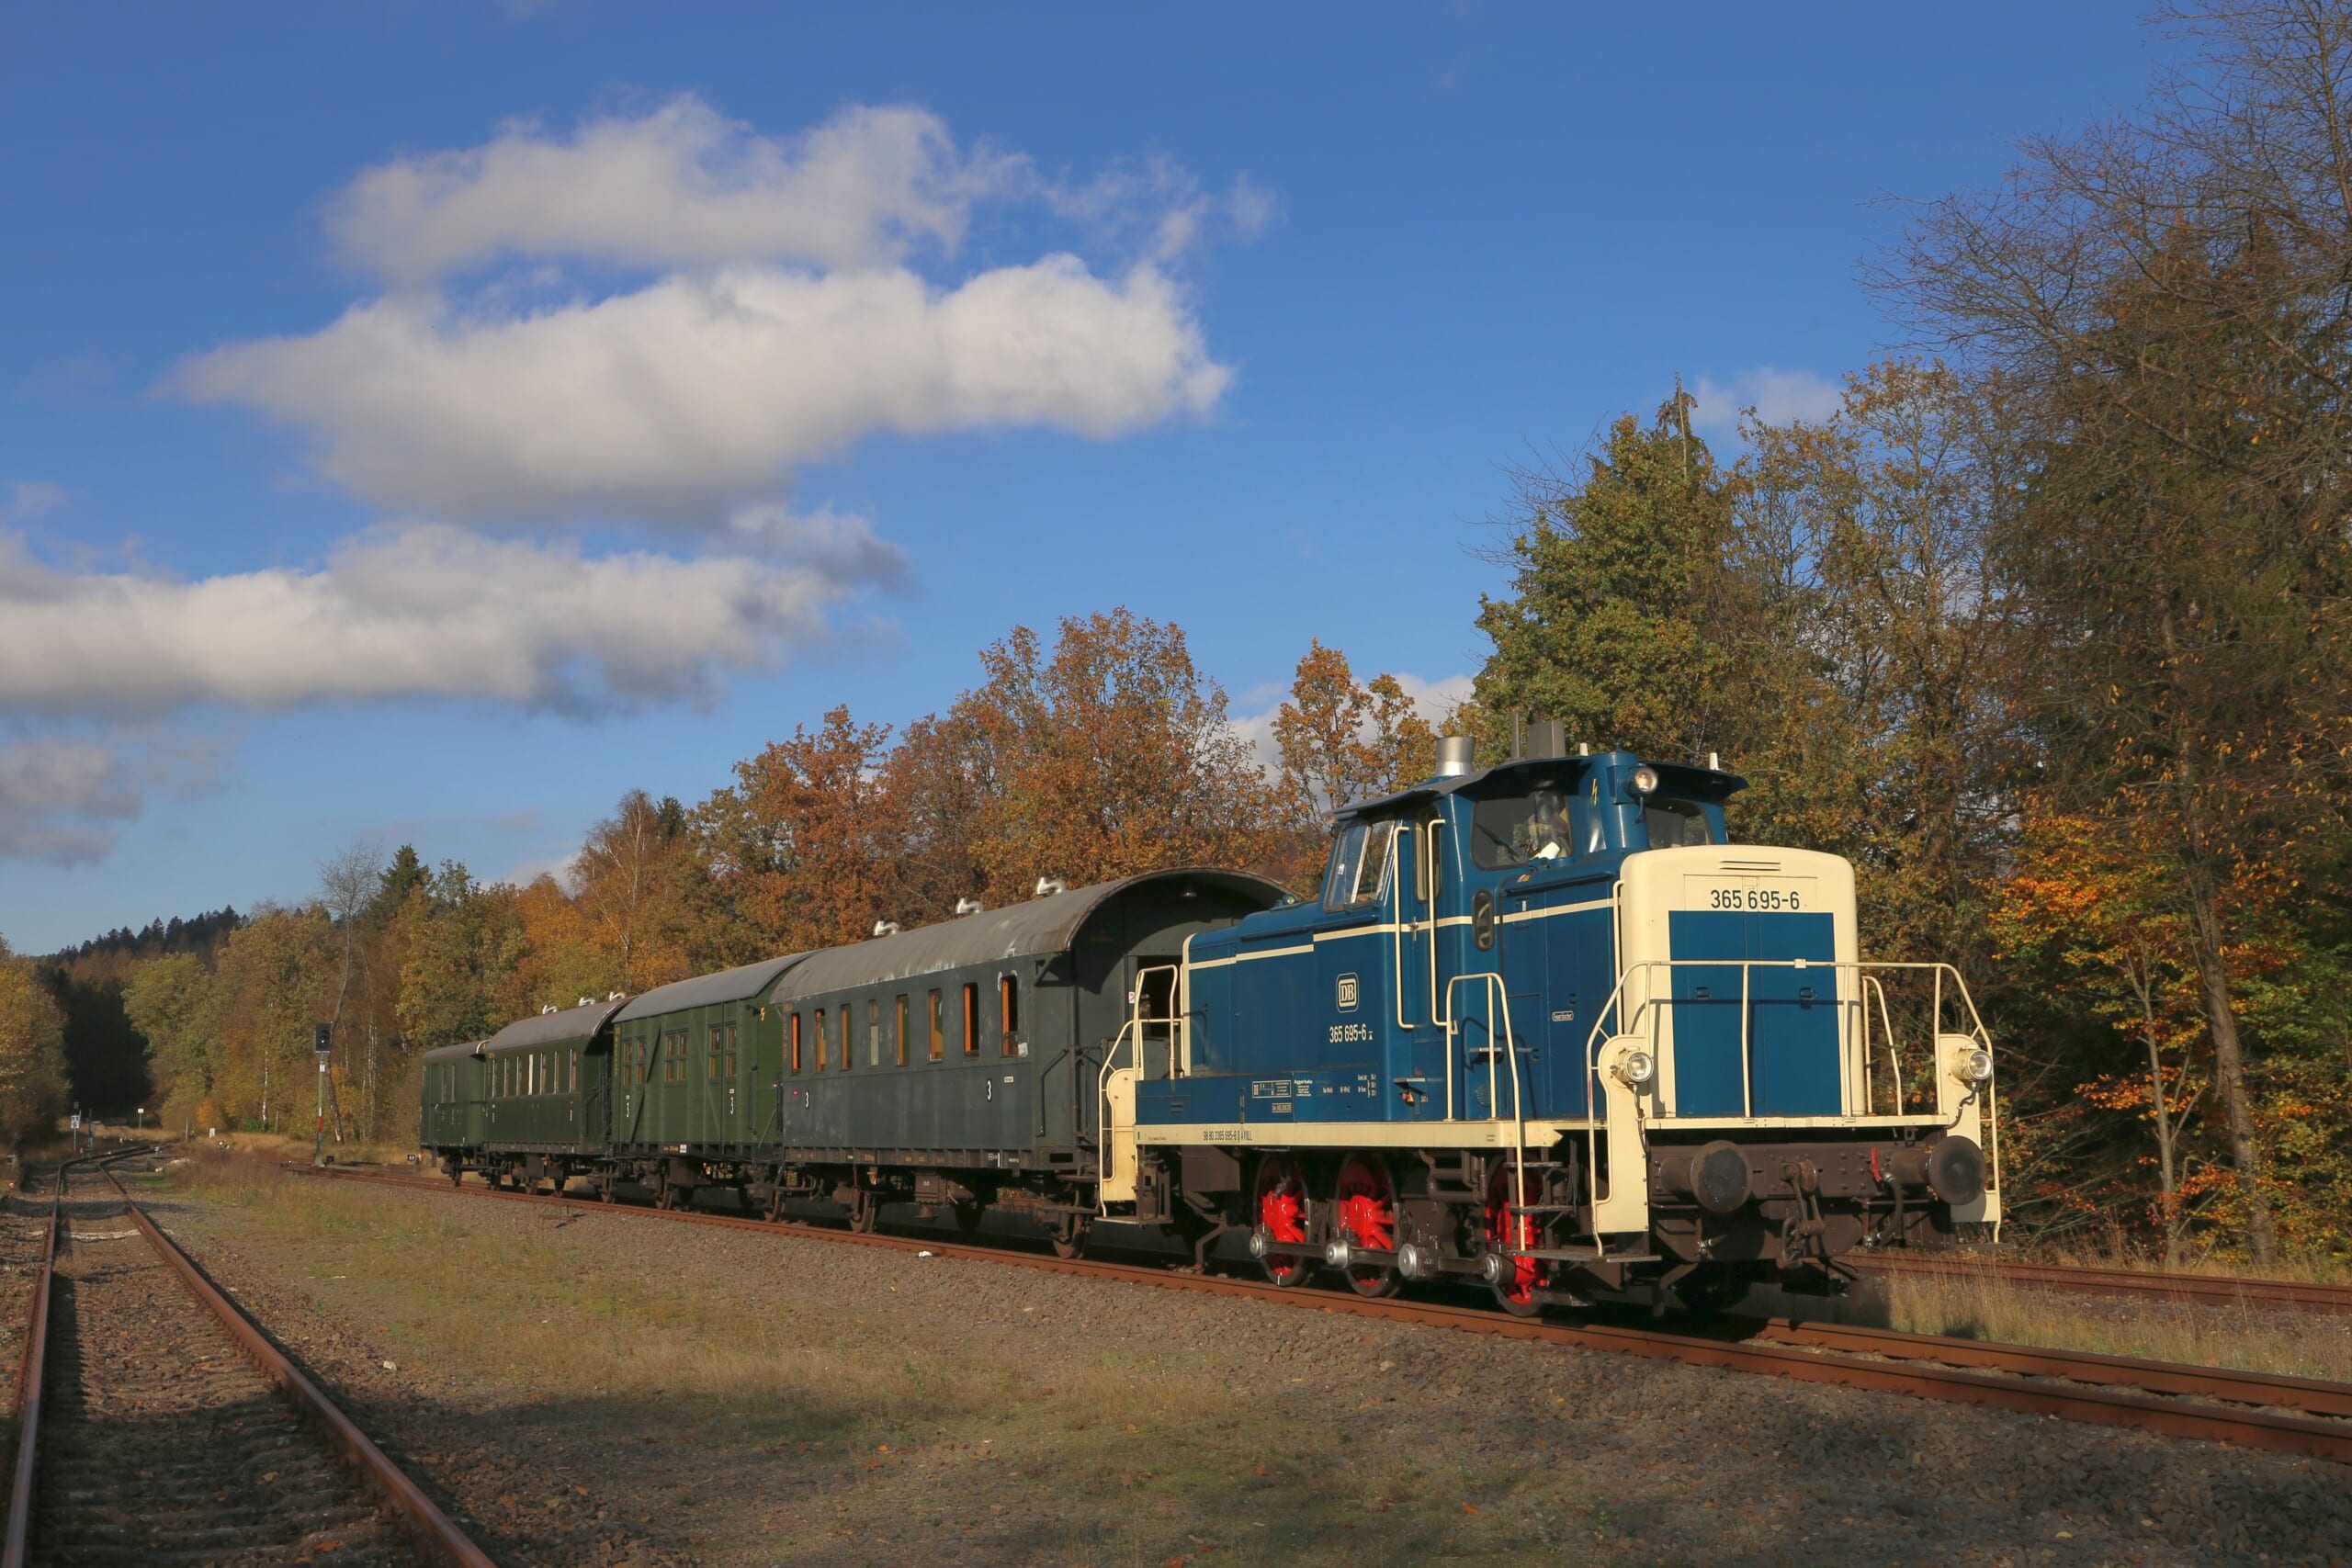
1359	865
1674	823
1512	829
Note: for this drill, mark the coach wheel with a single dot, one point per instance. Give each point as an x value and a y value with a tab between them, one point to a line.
775	1208
865	1212
604	1185
968	1217
1070	1237
1516	1290
1364	1214
1279	1209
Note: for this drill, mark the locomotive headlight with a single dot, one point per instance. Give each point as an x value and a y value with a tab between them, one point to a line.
1973	1065
1638	1069
1644	780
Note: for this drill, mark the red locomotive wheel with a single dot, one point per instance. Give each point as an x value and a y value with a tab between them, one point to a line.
1364	1210
1281	1209
1516	1291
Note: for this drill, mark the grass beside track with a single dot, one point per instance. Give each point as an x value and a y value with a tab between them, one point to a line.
770	1427
2255	1339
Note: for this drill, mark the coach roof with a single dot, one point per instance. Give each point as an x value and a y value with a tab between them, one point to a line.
553	1028
740	984
1018	931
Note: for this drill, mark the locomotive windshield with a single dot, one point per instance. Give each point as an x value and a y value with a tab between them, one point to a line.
1673	823
1511	830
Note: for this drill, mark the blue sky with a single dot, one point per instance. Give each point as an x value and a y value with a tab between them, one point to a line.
424	423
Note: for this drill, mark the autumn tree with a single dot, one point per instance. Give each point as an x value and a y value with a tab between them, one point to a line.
563	960
2166	289
462	975
805	842
275	980
169	1000
633	879
1340	742
1865	631
1617	581
1108	757
33	1051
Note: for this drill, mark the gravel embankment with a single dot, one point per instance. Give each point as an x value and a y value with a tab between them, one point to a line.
985	1413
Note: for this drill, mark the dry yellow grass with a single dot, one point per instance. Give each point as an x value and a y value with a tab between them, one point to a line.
2251	1339
1160	1457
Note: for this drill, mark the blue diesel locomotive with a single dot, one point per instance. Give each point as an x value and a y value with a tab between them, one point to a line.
1545	1026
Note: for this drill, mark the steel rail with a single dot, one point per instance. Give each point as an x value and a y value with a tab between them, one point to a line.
2201	1290
1878	1360
432	1529
2312	1396
31	1374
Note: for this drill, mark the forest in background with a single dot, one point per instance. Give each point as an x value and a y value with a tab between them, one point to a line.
2045	628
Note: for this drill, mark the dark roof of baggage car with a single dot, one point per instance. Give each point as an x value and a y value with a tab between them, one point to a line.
553	1028
734	984
1017	930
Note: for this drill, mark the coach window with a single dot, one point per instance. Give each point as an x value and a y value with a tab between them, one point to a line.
938	1036
820	1040
899	1037
841	1033
1008	994
673	1058
794	1027
715	1058
971	1018
874	1031
732	1058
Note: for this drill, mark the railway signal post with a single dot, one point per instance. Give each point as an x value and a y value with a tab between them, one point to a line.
322	1039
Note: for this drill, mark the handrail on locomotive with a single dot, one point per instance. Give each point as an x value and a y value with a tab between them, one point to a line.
1868	972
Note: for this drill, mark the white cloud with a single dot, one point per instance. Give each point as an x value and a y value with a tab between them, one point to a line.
1778	396
681	187
64	796
418	609
1157	209
21	500
697	391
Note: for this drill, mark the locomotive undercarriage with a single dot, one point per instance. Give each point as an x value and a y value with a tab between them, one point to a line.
1786	1215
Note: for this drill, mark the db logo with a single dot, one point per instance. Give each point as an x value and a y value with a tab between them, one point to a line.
1347	993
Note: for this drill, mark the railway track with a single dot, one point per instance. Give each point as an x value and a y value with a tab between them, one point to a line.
159	1425
2294	1416
2200	1289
